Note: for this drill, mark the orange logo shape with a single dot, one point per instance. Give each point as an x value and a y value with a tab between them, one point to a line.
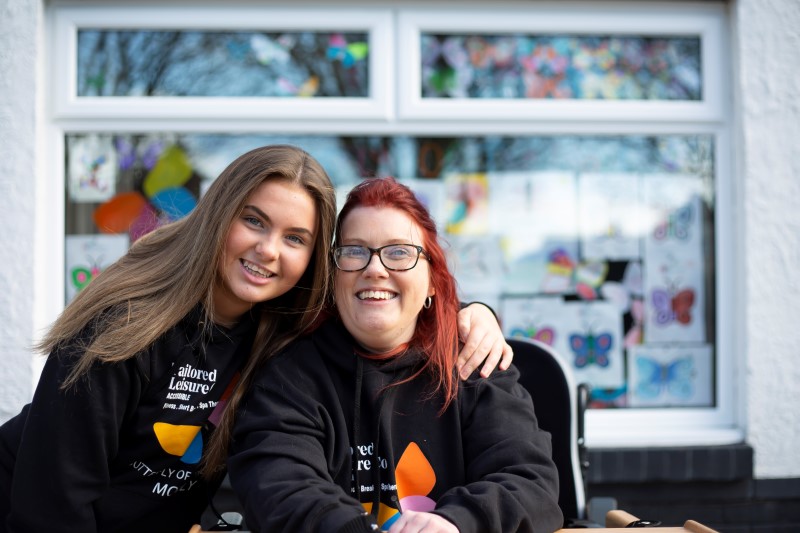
414	474
175	439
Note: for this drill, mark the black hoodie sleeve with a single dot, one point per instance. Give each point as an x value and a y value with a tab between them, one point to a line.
283	452
513	480
68	439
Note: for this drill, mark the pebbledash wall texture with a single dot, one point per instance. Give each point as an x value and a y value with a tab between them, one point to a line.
753	486
20	53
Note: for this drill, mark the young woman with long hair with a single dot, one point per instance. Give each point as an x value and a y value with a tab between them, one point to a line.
129	426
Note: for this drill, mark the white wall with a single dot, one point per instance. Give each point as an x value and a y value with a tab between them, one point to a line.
768	143
19	53
766	37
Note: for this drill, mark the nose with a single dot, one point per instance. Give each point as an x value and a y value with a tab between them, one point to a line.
267	247
375	268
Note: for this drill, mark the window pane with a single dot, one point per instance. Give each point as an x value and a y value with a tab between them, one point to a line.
206	63
591	67
602	246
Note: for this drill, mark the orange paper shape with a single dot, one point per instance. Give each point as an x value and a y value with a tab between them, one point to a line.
118	214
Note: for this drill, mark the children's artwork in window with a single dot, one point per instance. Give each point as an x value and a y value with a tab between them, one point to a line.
663	376
524	221
86	256
204	63
591	341
477	262
674	285
587	67
531	318
152	182
609	223
467	204
536	213
92	171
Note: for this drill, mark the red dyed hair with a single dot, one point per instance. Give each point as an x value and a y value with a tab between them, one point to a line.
436	334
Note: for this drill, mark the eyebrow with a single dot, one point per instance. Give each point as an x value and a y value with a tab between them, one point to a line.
266	217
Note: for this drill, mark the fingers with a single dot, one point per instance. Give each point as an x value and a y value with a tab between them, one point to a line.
508	356
487	350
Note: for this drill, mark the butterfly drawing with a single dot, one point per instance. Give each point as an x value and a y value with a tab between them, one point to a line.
674	378
546	334
673	305
81	275
591	349
676	224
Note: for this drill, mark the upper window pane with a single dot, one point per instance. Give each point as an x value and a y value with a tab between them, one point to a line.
588	67
229	64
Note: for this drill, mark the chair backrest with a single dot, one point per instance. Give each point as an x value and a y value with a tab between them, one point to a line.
559	404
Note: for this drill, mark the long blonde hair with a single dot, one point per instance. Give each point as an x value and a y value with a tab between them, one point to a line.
168	272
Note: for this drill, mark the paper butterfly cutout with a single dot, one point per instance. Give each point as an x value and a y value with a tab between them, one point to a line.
546	334
655	378
591	349
676	225
670	305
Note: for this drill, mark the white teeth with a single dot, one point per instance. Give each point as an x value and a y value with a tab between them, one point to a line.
256	270
375	295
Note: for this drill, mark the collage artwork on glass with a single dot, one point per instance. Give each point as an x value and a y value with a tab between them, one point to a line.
592	67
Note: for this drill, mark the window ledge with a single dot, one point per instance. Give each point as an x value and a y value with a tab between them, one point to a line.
671	464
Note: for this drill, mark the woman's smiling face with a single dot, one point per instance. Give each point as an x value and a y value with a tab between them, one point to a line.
379	307
268	248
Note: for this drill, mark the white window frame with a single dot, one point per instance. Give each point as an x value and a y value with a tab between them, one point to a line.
69	20
393	71
615	19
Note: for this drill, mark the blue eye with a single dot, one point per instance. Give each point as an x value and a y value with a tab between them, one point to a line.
397	252
353	252
250	219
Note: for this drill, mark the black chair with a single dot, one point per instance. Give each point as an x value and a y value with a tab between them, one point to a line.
560	405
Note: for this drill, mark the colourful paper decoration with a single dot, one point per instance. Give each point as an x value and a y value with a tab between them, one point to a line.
171	170
118	214
174	202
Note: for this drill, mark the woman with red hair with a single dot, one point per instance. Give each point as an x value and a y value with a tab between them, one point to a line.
365	425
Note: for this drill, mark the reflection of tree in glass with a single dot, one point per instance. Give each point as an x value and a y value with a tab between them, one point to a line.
234	64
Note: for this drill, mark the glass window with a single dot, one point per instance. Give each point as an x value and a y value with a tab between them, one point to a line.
204	63
600	246
560	67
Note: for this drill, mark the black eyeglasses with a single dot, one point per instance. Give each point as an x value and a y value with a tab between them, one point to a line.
397	257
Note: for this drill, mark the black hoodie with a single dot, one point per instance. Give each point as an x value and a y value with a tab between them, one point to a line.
120	450
322	444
